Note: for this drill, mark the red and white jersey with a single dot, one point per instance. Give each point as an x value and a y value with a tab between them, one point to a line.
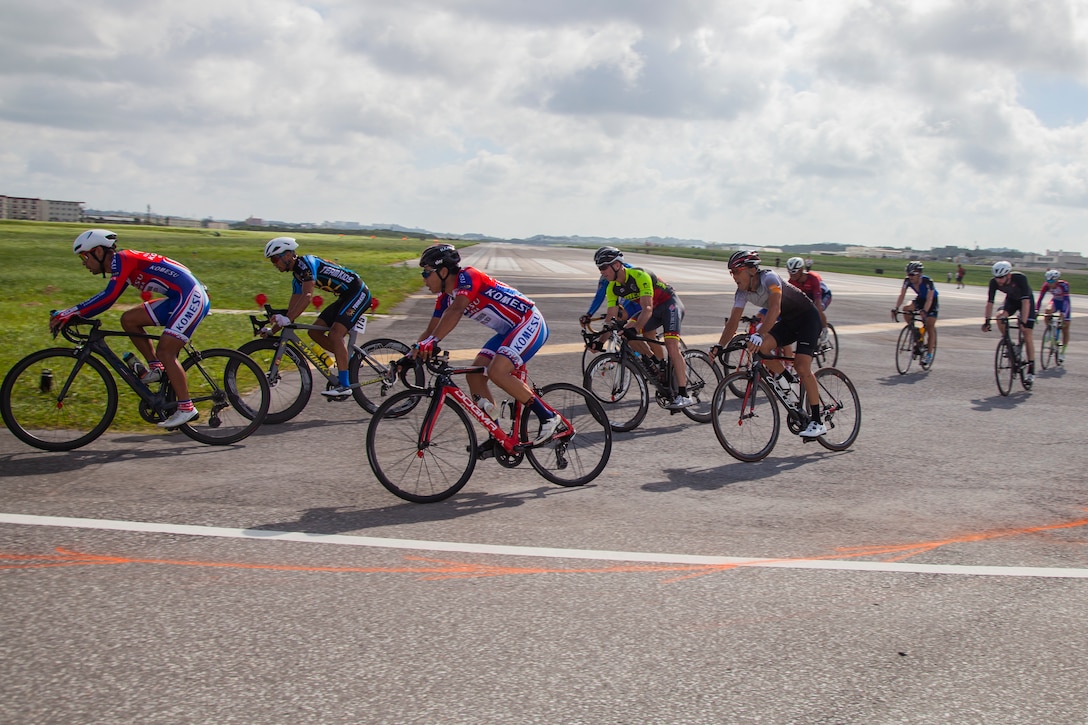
490	302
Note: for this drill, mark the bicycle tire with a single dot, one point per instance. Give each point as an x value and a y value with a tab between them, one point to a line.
1004	368
291	385
703	377
231	392
840	409
421	475
577	459
1049	349
621	389
38	419
828	356
746	425
904	349
383	352
1022	368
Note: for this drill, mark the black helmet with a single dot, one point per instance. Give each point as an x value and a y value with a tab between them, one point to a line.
606	255
744	258
440	255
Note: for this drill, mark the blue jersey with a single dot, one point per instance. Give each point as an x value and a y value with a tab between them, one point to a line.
325	275
632	307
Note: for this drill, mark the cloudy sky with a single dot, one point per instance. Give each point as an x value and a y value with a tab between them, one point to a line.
906	122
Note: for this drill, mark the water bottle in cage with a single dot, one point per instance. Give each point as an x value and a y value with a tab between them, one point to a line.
134	364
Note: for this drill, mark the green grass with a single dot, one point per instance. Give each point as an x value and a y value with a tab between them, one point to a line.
40	273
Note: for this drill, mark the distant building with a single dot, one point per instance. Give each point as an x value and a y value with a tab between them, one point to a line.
40	210
1058	259
877	252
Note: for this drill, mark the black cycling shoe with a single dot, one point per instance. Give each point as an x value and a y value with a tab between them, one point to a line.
485	450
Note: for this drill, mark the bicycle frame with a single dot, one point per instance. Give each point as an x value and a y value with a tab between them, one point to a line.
94	343
289	336
444	387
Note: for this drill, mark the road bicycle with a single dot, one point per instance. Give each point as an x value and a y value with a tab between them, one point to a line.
1050	351
1009	362
60	398
621	381
913	343
422	446
287	361
747	423
734	356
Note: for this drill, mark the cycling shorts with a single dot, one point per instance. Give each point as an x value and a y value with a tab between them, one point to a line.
349	307
667	316
920	305
521	342
1062	307
1012	306
179	317
803	329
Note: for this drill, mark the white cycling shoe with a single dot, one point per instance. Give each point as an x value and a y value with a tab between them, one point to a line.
179	418
815	430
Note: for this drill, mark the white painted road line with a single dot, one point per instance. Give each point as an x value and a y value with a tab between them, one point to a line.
542	552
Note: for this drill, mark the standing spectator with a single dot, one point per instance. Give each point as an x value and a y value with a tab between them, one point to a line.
960	271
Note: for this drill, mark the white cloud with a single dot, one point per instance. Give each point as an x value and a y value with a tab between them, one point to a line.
920	123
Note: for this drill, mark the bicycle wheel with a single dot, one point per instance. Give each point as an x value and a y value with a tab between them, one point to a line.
904	349
576	459
289	386
621	389
840	409
231	392
1004	367
1048	353
827	353
1022	369
372	369
735	358
747	425
414	472
34	412
703	377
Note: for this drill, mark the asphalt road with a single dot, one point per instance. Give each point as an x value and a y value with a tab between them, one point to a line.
934	573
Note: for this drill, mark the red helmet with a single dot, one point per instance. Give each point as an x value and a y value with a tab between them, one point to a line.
746	258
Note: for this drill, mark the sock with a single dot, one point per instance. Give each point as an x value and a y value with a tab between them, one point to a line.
343	379
155	365
814	410
537	406
186	405
682	390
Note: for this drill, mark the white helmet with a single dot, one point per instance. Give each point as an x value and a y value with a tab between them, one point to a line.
1053	275
1001	269
94	238
279	245
794	264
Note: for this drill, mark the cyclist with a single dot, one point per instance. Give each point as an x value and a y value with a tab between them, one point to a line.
1060	304
352	300
630	307
925	300
791	318
811	284
1018	301
520	329
184	305
659	305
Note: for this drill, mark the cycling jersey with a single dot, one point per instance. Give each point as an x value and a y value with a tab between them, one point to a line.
794	301
632	307
490	302
814	288
639	283
1016	289
325	275
922	289
186	301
